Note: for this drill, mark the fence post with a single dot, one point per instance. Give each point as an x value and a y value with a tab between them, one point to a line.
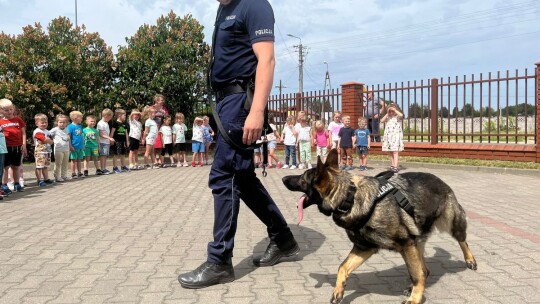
537	103
434	111
298	104
351	101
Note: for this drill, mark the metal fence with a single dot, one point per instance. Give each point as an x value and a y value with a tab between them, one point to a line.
493	108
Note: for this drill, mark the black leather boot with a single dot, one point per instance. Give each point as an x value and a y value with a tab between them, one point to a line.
207	274
274	253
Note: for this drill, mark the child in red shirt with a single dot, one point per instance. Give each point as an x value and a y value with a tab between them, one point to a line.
14	130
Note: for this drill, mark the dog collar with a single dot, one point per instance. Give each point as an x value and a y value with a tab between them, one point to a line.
348	202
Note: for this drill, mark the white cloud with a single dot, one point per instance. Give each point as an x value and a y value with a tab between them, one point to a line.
369	41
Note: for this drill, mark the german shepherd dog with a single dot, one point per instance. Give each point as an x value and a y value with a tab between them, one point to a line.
373	224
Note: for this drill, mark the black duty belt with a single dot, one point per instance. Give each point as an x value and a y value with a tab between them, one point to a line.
229	90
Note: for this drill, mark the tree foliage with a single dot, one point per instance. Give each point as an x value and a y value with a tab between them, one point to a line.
64	69
169	58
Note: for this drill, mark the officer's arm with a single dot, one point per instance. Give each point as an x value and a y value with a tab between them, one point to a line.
264	51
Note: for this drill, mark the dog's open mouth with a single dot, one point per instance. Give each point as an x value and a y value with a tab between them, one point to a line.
301	201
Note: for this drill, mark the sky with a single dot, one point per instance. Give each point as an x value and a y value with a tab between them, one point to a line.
367	41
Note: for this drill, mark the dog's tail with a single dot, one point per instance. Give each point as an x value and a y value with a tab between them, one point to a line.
453	219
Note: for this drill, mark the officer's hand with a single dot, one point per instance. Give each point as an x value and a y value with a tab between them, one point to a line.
253	127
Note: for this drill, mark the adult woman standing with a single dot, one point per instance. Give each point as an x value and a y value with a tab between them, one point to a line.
161	111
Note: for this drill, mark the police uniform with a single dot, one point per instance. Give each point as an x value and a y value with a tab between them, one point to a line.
239	24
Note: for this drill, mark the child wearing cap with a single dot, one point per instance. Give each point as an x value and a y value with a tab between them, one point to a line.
135	132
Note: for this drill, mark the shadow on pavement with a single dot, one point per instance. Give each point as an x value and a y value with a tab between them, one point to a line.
302	234
393	281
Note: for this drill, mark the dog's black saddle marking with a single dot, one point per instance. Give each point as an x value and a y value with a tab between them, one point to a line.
386	188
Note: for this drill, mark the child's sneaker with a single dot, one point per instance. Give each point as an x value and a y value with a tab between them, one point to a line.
124	169
309	166
349	168
193	164
178	165
81	175
200	164
65	178
18	188
278	165
116	170
60	180
285	166
186	164
49	181
73	175
301	166
6	190
105	172
21	181
85	172
42	183
292	167
98	172
147	167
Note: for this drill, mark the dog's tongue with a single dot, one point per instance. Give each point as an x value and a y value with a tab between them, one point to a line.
301	208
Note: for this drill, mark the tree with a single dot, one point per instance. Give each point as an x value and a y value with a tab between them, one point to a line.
55	72
416	111
168	58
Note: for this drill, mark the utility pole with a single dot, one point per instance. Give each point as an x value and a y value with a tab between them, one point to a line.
326	79
280	87
76	21
301	64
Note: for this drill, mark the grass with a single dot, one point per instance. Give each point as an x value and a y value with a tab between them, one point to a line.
447	161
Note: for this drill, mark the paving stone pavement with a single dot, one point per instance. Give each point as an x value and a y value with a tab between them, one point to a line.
125	238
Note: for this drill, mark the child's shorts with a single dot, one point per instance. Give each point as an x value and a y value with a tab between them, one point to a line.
180	147
167	148
197	146
77	154
150	140
43	159
362	150
134	144
13	157
89	151
119	148
104	149
272	144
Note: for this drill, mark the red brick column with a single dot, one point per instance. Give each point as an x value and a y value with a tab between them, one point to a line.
538	112
351	101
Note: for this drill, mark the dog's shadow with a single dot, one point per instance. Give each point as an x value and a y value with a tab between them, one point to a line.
308	239
393	281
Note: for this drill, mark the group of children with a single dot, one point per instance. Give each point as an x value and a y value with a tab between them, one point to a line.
299	137
112	134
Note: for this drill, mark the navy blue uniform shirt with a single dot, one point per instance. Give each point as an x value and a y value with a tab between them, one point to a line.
239	25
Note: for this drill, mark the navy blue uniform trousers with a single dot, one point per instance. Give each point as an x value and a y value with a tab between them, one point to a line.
232	178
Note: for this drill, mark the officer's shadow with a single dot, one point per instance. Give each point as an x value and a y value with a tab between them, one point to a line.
308	240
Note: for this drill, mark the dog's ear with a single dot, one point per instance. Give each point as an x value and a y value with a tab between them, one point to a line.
332	161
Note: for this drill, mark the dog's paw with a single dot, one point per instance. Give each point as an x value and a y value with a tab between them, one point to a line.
336	297
472	264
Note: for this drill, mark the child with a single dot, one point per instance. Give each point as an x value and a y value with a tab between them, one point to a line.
3	152
208	135
272	144
60	138
297	127
334	128
119	132
304	143
76	143
149	137
42	152
393	135
167	139
288	137
14	130
321	140
105	139
345	143
91	145
179	139
197	141
362	142
135	132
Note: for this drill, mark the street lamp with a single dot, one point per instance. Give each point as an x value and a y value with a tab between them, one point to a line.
301	64
326	78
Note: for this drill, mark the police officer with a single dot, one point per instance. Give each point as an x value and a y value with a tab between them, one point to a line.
243	57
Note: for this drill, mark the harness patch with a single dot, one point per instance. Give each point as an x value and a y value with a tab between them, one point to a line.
386	188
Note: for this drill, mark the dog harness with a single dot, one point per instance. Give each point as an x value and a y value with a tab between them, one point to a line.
385	188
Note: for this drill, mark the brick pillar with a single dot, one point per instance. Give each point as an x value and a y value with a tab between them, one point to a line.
352	102
537	102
